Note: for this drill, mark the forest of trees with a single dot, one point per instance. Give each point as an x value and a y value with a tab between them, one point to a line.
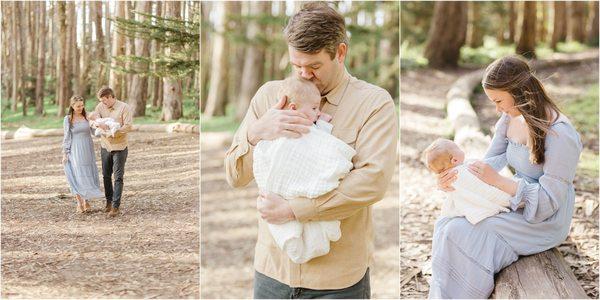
242	47
147	51
445	27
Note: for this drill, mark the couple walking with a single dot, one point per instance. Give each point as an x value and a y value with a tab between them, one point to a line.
78	150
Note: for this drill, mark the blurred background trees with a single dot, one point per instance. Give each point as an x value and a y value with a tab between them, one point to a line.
242	47
493	29
147	51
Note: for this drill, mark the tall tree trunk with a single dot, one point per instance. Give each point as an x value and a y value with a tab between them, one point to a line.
578	21
41	48
172	108
57	50
559	31
73	59
475	31
592	39
62	66
25	59
215	103
526	45
254	61
236	51
107	32
52	45
138	92
541	27
83	54
118	49
206	54
447	34
156	50
99	46
512	21
129	48
15	66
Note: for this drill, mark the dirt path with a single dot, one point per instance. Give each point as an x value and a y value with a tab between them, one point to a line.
229	228
150	250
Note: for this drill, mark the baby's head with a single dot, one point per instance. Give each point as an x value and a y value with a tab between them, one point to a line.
303	96
92	116
442	155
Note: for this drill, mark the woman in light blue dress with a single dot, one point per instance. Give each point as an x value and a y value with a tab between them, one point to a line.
542	146
78	156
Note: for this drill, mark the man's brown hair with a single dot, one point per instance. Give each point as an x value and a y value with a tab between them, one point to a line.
315	27
104	92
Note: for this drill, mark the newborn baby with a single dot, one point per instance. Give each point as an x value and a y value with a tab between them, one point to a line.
113	126
472	198
309	166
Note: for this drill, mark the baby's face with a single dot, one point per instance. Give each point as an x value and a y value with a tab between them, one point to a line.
458	156
92	116
310	107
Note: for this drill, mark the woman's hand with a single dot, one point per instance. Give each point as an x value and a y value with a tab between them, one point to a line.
64	159
446	179
485	172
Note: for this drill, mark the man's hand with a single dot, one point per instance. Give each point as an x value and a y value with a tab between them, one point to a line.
274	209
276	123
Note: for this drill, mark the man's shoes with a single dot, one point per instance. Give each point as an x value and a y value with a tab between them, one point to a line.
108	207
113	212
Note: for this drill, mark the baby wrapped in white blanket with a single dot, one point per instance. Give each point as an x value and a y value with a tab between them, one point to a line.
113	125
309	166
471	198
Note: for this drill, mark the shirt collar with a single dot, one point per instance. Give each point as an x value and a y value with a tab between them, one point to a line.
335	95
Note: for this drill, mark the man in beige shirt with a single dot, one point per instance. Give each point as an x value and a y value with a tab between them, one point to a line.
363	117
114	148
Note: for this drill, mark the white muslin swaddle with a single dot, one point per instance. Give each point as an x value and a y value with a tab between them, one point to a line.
473	198
113	126
309	166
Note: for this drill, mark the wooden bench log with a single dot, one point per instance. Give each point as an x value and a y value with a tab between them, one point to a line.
544	275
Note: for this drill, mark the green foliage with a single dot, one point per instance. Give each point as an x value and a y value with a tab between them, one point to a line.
412	57
182	35
415	18
490	51
583	112
220	123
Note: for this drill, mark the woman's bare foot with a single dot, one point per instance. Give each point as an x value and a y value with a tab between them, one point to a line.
86	206
80	204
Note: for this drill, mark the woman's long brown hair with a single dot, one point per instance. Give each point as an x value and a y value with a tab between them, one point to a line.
72	101
513	75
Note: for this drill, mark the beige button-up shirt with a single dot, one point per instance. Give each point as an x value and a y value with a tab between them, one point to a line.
121	113
364	117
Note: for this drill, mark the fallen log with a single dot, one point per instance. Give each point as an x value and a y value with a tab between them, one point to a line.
544	275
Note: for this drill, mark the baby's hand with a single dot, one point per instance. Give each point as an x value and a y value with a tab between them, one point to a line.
325	117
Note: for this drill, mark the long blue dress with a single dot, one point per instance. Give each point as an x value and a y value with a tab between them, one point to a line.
465	257
81	169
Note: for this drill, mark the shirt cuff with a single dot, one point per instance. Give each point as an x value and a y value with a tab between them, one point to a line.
303	208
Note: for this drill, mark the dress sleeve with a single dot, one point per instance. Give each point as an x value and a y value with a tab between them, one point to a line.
543	198
67	136
495	156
